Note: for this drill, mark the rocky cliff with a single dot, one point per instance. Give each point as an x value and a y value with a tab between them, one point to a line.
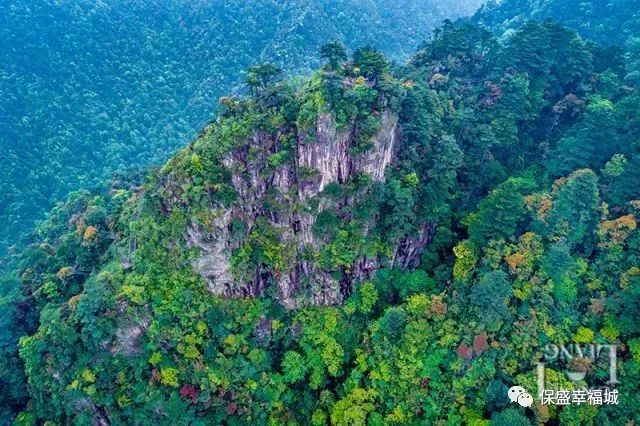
289	198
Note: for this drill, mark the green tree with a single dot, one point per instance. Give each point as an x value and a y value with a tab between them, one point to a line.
501	212
392	323
509	417
335	53
261	76
294	367
575	209
371	62
490	297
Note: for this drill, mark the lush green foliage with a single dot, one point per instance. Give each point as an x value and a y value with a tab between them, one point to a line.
90	88
520	152
614	25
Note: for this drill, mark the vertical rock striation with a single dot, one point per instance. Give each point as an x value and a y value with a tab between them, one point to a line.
283	196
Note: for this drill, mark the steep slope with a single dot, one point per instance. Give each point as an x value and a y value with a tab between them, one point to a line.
290	190
359	247
90	88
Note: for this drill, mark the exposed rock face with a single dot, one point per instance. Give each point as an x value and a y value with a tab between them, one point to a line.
128	335
100	415
329	154
214	264
407	254
324	160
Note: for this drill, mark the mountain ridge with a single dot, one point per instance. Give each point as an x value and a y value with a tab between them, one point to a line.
86	98
513	173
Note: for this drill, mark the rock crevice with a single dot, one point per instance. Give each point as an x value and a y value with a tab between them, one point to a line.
319	160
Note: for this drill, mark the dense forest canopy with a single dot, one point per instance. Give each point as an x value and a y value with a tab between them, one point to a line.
612	24
608	22
89	87
374	244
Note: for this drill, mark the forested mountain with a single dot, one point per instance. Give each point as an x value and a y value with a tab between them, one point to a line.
374	244
609	23
89	87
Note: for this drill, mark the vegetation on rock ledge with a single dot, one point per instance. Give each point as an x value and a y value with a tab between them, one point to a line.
517	167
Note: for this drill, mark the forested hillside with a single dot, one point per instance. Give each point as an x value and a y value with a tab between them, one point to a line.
371	245
609	23
89	88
